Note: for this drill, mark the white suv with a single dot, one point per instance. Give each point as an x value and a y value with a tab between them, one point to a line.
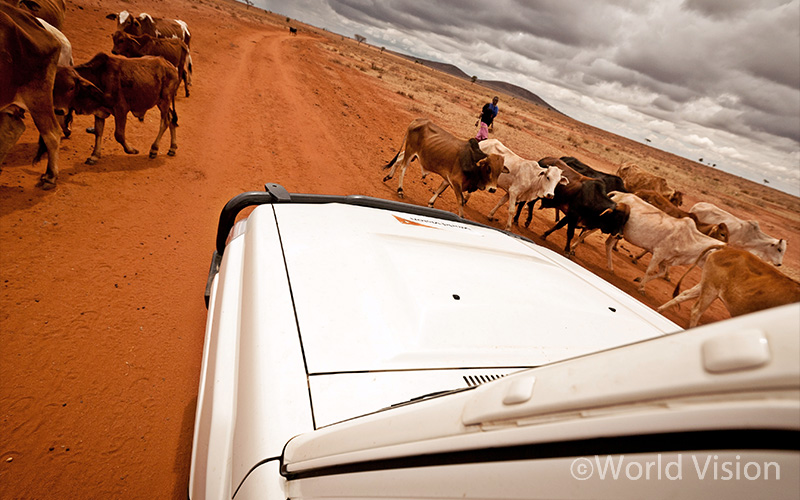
358	347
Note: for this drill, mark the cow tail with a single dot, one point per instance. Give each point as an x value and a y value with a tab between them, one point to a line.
696	262
402	146
173	113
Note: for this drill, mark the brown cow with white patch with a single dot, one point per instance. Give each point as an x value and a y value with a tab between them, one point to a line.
27	72
743	282
171	49
158	27
636	179
117	85
460	163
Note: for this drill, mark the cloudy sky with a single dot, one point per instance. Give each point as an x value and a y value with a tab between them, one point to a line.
711	79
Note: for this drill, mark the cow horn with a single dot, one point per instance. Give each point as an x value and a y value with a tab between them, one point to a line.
607	210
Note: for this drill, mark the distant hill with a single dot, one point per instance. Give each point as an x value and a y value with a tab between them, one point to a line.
505	87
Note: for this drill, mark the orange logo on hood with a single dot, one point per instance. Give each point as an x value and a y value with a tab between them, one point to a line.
411	222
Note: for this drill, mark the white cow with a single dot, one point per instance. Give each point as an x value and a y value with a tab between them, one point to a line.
744	234
672	241
525	181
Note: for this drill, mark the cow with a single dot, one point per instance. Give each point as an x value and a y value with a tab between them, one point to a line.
293	31
585	204
744	234
460	163
636	179
717	231
145	24
52	11
673	242
109	84
525	181
27	73
743	282
611	181
64	59
171	49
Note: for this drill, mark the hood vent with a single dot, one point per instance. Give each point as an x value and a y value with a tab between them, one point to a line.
474	380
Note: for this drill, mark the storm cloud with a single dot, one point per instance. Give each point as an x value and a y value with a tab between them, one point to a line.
724	71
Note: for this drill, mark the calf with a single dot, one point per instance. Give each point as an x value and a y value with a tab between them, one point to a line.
460	163
115	85
293	31
585	204
672	241
611	181
525	181
171	49
744	234
636	179
741	280
27	72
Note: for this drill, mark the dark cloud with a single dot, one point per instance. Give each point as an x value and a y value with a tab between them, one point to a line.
727	65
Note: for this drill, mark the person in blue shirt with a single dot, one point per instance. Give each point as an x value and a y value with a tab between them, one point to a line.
486	119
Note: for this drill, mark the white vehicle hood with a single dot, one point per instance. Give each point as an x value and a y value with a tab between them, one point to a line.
376	290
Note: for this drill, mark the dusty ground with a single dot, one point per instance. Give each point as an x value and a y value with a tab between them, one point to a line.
101	311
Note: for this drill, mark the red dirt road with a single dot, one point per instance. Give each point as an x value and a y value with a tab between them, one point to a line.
101	312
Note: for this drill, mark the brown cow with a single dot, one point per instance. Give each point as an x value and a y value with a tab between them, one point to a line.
51	11
460	163
171	49
27	73
145	24
741	280
121	85
637	179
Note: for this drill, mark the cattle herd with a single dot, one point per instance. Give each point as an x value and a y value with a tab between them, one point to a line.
149	59
739	260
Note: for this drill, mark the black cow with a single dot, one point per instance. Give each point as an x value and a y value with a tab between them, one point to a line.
611	181
586	205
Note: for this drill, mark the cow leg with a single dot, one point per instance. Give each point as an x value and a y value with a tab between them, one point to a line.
163	125
120	119
611	243
99	126
512	202
691	293
556	227
636	259
46	123
185	79
530	213
441	190
657	268
518	211
570	234
499	203
708	294
582	237
458	190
